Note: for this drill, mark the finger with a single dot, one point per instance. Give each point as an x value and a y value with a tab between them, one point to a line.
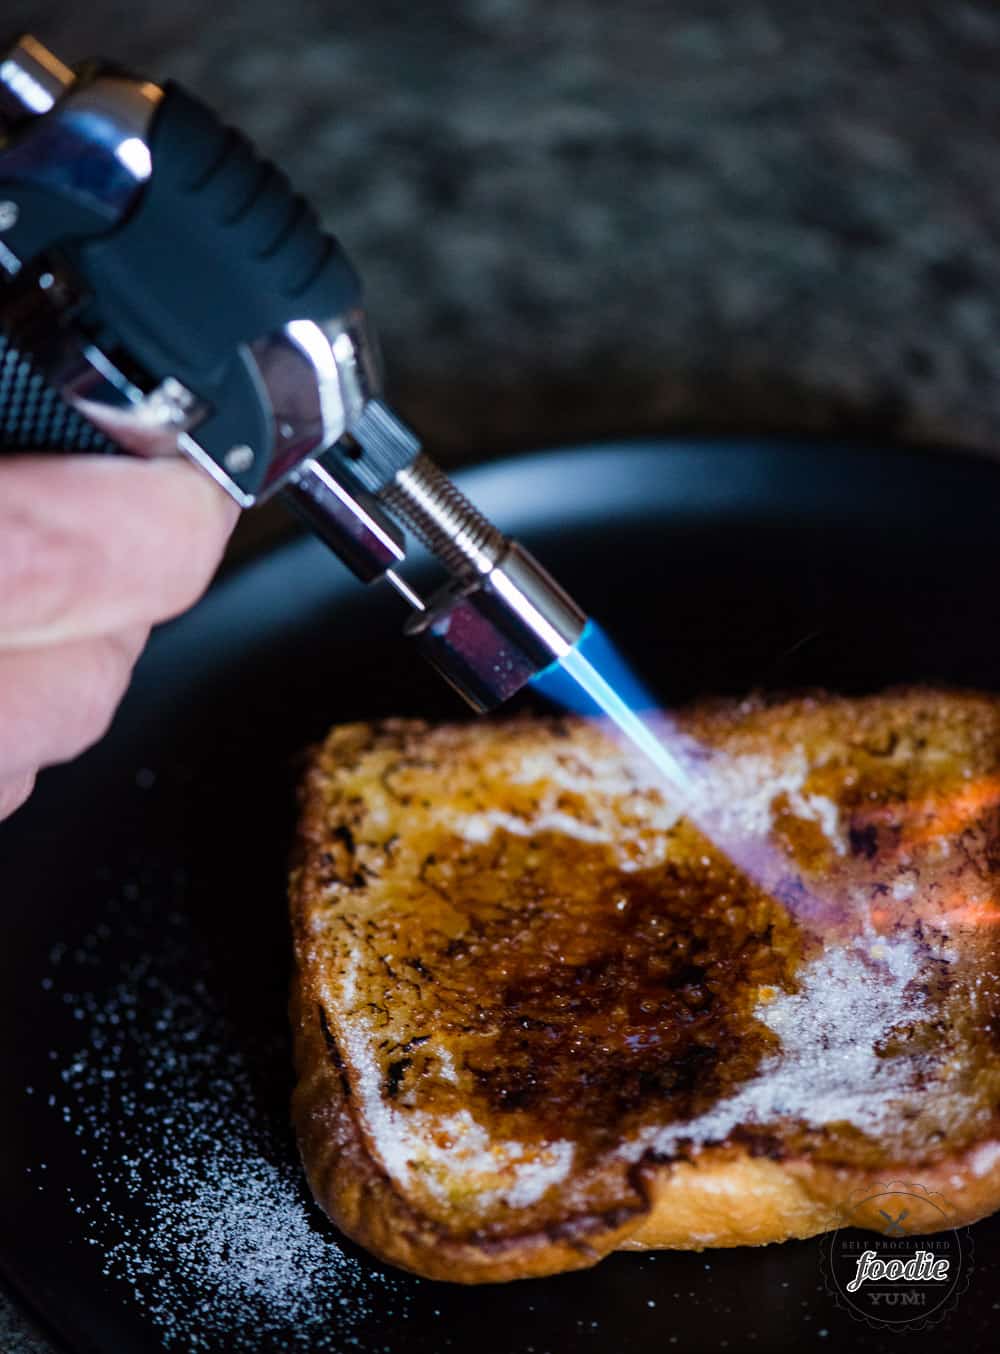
56	701
13	793
93	544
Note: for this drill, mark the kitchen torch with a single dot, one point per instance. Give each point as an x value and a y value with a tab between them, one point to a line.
164	291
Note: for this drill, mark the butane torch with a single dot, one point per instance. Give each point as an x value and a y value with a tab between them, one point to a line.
164	291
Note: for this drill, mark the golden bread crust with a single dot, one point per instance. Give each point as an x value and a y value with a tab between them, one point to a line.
539	1016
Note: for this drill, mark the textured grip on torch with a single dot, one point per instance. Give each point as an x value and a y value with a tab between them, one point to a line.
33	417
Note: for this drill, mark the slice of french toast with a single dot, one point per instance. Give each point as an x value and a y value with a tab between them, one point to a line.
544	1010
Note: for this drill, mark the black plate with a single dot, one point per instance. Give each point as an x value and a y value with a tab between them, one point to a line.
151	1194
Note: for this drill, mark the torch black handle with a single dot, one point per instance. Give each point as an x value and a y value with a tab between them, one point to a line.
219	250
216	253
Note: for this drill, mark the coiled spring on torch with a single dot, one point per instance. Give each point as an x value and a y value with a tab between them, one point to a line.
442	517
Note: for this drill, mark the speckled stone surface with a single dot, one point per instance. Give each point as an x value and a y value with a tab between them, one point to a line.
578	219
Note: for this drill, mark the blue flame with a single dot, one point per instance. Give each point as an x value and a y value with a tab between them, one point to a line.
594	679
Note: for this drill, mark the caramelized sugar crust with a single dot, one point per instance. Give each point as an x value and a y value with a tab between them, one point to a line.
533	979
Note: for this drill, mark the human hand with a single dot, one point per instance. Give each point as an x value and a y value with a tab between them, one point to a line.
94	550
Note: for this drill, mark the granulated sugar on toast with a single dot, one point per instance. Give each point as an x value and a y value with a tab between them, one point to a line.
543	1011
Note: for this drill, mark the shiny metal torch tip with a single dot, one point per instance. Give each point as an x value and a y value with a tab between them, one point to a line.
491	637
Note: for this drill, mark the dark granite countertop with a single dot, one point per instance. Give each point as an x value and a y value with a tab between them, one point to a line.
578	219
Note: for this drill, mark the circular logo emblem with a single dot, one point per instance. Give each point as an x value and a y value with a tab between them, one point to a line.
908	1268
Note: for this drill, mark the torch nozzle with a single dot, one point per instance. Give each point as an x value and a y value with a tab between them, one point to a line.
501	618
491	636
